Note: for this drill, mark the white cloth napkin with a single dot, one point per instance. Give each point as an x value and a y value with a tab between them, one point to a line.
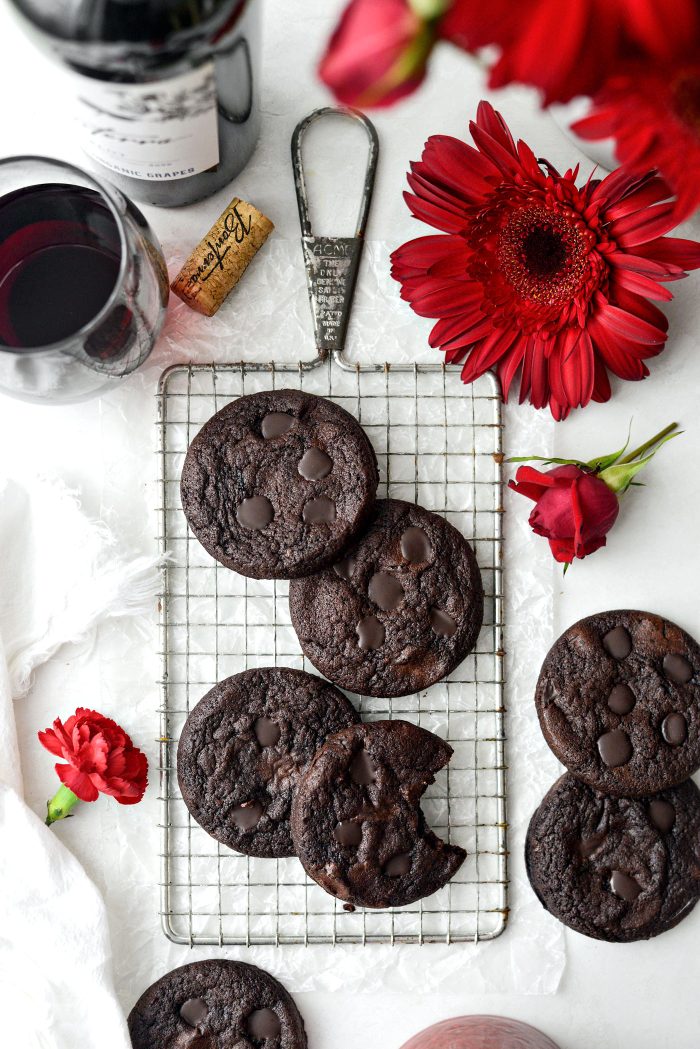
59	576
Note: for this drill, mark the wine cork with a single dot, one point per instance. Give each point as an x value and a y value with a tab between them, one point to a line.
222	256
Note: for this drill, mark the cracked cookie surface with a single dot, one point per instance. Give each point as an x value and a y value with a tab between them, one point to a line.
399	611
243	748
617	869
618	700
216	1004
357	824
277	483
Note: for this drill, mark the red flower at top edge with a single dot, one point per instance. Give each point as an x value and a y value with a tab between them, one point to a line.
653	112
377	54
101	758
569	49
535	276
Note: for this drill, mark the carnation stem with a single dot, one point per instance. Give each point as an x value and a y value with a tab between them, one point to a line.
429	9
643	448
60	805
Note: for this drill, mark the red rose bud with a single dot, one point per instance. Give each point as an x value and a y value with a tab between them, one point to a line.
379	51
101	759
576	503
574	509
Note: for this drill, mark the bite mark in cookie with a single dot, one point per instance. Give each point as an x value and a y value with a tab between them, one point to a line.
356	820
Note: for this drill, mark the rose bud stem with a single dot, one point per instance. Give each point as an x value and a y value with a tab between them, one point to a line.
643	448
60	805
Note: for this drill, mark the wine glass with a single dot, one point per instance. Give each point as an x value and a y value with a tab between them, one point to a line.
83	282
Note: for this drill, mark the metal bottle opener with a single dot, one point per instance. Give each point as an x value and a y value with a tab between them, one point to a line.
332	263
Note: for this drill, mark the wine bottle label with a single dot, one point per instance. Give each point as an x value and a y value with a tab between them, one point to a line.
159	131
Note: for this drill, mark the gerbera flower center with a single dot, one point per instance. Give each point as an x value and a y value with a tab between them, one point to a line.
543	255
544	252
686	99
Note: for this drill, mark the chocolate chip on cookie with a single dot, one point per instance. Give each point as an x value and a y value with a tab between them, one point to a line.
215	1004
243	748
276	484
356	820
619	702
399	611
617	869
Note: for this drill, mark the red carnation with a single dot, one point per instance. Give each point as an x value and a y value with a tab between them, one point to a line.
653	113
378	53
101	759
535	276
576	502
571	49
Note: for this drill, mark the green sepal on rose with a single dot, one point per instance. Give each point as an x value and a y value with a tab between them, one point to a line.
616	472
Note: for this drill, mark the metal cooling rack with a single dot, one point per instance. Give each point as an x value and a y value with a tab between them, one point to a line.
439	443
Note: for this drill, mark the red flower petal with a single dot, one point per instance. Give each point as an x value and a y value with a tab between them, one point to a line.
78	782
570	49
650	109
563	550
50	740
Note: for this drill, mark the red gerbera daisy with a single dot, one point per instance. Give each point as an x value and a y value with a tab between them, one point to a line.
569	49
534	274
654	115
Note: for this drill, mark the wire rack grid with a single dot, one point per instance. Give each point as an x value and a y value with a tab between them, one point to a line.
439	444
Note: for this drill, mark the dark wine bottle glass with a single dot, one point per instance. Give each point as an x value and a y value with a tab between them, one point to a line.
166	91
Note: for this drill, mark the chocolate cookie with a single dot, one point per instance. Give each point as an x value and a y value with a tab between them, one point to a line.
619	702
216	1005
356	820
243	748
276	484
617	869
401	609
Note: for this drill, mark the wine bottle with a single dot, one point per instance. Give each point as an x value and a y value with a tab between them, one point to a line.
166	91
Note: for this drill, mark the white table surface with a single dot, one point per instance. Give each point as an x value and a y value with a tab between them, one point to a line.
611	996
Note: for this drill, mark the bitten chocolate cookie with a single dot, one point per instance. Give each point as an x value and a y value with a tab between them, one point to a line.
617	869
243	748
216	1005
276	484
619	702
401	609
356	820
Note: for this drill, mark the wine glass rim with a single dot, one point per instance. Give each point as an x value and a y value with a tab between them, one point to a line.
105	190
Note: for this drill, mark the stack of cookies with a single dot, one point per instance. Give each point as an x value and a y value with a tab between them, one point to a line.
613	851
386	599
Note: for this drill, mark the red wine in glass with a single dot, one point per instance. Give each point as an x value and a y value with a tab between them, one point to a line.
60	256
83	282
